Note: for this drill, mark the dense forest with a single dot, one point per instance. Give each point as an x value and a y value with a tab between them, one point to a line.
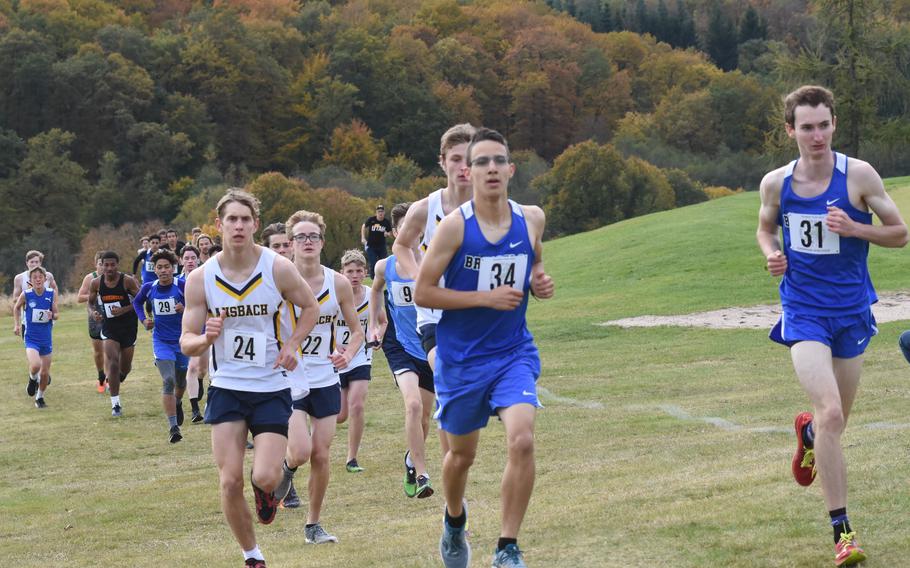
116	117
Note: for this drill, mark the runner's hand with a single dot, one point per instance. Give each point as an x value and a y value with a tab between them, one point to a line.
777	263
213	327
504	298
287	358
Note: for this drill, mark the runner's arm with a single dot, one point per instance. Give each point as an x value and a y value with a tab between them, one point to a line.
17	311
408	239
377	298
193	342
295	290
139	301
892	233
542	286
346	302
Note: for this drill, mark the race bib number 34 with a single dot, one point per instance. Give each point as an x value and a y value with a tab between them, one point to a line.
246	348
507	270
810	234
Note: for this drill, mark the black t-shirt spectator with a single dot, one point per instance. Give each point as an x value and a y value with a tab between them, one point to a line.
376	232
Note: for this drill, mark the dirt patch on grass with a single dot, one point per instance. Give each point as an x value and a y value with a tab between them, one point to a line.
892	306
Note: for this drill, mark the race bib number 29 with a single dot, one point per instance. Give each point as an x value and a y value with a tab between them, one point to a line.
810	234
506	270
165	306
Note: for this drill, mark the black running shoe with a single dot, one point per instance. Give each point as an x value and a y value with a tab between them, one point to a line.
424	489
39	403
116	411
292	501
266	503
249	445
197	417
49	379
179	412
175	435
32	387
253	563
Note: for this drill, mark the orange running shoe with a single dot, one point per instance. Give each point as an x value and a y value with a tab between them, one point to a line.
101	387
803	464
847	552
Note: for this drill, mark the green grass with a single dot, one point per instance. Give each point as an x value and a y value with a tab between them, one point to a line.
622	482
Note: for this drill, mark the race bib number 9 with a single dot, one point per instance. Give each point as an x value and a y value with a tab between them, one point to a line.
403	294
247	348
165	306
41	316
810	234
507	270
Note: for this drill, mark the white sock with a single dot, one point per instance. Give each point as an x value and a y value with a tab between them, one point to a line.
115	401
254	553
39	394
33	376
408	461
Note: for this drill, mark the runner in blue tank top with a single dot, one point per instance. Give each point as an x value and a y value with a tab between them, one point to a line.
165	294
40	305
407	361
823	202
486	363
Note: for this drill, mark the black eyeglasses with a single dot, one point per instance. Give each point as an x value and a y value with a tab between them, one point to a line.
482	161
303	237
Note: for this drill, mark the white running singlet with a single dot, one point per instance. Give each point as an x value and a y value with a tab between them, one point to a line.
320	343
343	333
435	214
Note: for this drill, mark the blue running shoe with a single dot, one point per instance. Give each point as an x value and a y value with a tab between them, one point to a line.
508	557
453	548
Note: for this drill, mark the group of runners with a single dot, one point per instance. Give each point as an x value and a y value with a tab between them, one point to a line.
287	340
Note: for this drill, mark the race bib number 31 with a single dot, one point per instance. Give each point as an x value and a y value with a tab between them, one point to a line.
810	234
248	348
507	270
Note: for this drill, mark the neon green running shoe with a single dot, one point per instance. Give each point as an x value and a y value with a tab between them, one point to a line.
410	478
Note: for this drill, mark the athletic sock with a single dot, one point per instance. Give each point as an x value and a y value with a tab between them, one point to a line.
808	435
840	523
101	377
115	401
504	542
200	386
254	553
172	420
456	522
33	376
123	377
407	460
194	403
291	469
39	394
311	525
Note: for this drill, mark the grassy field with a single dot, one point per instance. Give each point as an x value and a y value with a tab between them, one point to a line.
657	447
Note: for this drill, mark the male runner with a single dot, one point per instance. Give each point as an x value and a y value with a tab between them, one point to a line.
275	237
204	243
321	359
355	377
40	308
824	202
487	364
167	299
198	366
94	326
242	290
21	282
407	361
110	295
147	272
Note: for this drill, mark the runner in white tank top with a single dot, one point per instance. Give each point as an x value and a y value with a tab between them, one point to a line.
321	359
241	291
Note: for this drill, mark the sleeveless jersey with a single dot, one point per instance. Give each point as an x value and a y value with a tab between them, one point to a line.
435	214
148	267
285	322
24	285
164	300
479	334
38	316
364	355
244	355
320	343
113	297
827	274
402	311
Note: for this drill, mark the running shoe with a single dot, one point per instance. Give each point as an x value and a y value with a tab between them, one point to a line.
353	467
317	535
287	480
847	552
291	500
116	411
39	403
803	464
197	417
508	557
249	445
254	563
453	547
32	387
424	489
266	503
101	386
49	379
175	435
410	478
179	412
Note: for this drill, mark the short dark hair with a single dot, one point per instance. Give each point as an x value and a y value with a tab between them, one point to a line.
169	231
811	95
191	248
166	255
268	232
109	254
482	134
215	249
399	211
154	236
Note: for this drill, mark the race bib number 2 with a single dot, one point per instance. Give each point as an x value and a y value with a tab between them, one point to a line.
41	316
810	234
507	270
248	348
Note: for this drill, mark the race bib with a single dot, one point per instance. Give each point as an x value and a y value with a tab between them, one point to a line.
316	345
810	234
506	270
246	348
403	294
149	266
41	316
165	306
108	309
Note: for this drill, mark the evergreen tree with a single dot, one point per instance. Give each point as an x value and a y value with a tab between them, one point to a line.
606	23
721	39
684	25
752	26
642	18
